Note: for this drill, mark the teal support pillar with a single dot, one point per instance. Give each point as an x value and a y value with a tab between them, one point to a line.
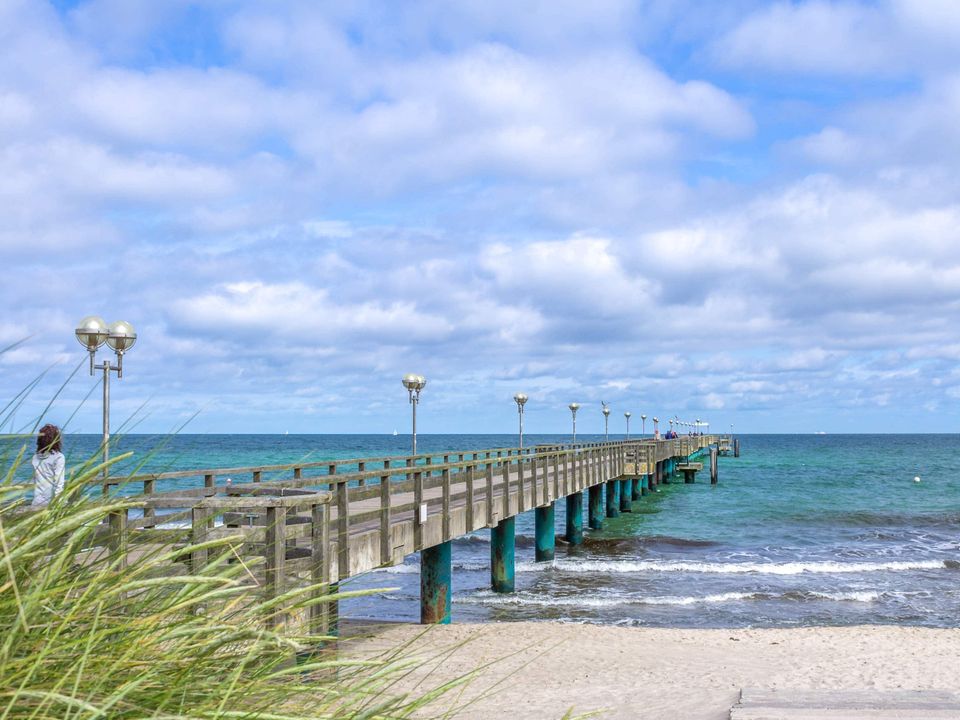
613	498
596	507
636	486
626	495
645	484
546	537
665	471
435	584
502	552
574	534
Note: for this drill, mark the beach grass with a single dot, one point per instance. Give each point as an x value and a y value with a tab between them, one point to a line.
92	633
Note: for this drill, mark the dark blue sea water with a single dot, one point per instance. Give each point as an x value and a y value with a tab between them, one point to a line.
801	530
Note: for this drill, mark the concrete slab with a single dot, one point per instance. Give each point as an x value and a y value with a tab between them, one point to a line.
820	704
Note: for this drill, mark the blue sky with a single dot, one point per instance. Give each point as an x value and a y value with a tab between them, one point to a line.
743	211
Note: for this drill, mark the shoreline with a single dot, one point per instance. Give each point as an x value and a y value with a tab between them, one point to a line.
543	669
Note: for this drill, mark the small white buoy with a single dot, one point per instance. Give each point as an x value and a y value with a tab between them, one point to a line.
916	478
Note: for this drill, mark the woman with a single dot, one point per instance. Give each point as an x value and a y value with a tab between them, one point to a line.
49	466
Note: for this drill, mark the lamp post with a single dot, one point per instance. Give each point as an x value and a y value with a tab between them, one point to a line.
643	426
92	332
521	400
414	384
698	427
627	416
671	427
606	421
573	411
656	428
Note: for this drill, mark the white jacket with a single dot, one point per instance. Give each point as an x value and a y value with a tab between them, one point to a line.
48	475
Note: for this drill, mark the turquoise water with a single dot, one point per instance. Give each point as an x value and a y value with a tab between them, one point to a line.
801	530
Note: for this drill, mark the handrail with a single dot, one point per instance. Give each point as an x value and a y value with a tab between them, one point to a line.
497	456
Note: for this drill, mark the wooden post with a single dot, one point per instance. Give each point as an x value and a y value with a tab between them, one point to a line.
714	466
417	502
198	534
468	517
320	569
118	538
445	519
343	530
521	490
489	478
505	472
275	555
386	543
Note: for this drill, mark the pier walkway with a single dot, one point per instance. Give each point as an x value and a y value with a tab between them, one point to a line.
323	522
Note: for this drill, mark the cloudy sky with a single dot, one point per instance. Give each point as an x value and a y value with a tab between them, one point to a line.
746	211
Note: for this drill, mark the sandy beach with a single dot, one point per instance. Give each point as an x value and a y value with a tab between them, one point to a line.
542	670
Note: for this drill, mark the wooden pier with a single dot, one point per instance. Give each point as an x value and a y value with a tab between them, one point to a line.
323	522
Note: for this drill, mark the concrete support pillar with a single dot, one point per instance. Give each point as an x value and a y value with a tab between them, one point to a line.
596	507
714	465
666	469
736	447
689	476
657	473
435	584
636	489
502	563
626	495
645	482
613	498
574	533
546	537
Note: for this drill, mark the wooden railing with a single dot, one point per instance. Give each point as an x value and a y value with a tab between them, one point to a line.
328	525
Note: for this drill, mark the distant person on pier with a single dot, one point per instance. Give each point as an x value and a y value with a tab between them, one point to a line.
49	466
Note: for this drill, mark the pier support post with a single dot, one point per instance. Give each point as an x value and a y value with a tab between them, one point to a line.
665	470
736	447
689	476
645	482
626	495
636	488
714	466
613	498
546	537
574	534
435	586
502	545
596	507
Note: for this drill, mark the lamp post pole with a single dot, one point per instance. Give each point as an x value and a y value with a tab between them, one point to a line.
521	400
92	332
627	416
643	426
573	411
606	422
414	384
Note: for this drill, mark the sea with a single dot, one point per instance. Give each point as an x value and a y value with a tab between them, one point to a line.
801	530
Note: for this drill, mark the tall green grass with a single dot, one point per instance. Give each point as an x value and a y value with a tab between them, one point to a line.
132	632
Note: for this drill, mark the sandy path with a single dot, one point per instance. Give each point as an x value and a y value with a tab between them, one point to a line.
546	668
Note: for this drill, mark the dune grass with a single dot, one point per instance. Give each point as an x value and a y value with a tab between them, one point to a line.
89	633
